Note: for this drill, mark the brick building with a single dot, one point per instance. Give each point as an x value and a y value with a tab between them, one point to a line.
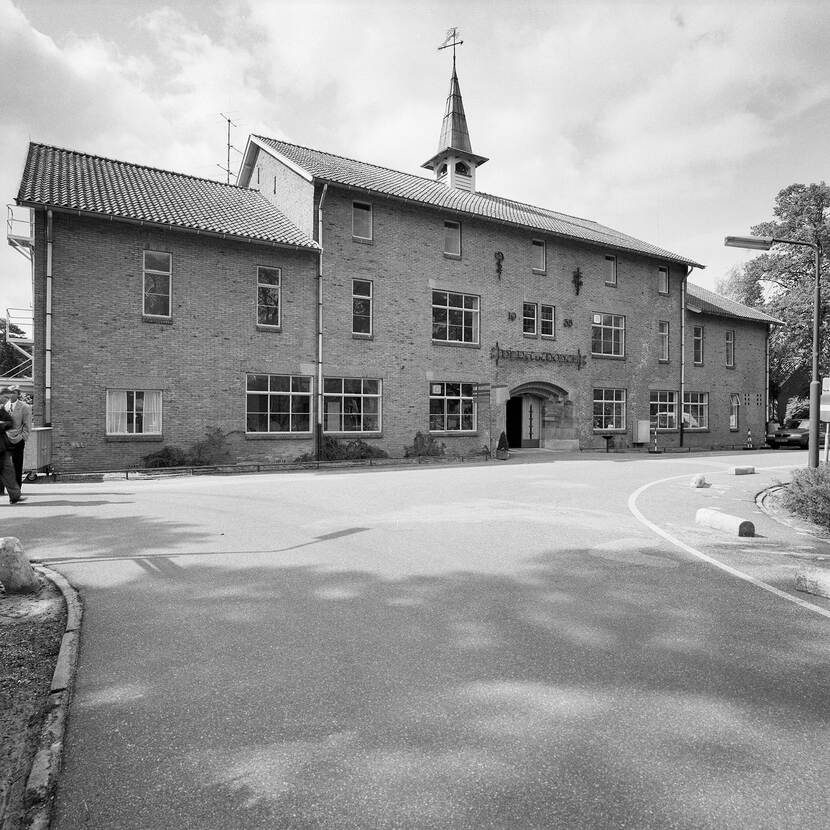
327	296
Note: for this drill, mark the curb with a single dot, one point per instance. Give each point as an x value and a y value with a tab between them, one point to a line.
792	522
43	776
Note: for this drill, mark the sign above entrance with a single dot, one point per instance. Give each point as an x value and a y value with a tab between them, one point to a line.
497	353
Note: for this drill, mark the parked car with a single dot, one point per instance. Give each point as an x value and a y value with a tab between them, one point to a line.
793	434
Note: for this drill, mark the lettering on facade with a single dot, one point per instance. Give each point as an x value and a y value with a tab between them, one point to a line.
497	353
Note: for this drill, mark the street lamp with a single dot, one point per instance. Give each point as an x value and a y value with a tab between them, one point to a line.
764	243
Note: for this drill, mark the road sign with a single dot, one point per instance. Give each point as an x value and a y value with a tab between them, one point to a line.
824	407
825	385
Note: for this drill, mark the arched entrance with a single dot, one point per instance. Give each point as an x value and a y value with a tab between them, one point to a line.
538	414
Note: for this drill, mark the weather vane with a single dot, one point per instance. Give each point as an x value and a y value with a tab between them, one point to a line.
451	40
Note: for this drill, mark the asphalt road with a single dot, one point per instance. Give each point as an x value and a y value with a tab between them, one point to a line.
502	646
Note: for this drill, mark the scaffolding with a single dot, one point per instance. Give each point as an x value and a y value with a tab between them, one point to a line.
18	331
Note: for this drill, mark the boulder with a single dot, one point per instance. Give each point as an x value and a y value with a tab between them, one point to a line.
16	574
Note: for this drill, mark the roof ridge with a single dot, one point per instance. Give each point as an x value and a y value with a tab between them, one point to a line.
140	166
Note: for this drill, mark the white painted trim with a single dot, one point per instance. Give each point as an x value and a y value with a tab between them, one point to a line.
293	166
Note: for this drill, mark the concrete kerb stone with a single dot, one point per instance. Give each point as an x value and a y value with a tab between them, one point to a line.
43	776
742	471
724	521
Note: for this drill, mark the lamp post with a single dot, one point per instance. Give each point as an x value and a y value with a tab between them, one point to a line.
764	243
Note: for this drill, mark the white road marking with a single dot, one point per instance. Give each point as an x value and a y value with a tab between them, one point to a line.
632	506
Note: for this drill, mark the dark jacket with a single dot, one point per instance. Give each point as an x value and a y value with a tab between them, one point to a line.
6	422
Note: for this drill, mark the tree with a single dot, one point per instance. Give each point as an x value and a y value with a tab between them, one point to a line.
10	357
781	282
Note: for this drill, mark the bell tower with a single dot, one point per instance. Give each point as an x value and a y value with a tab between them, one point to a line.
455	162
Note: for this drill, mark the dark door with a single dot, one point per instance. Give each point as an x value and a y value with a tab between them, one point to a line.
514	422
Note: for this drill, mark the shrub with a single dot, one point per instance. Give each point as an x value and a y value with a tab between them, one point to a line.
211	450
424	445
166	457
808	495
502	445
334	450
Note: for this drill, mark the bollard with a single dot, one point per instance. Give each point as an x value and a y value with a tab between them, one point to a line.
723	521
748	444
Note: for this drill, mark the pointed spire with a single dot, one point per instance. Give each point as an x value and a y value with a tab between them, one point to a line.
454	132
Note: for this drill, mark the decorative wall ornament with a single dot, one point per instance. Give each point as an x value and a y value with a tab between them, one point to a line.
577	281
567	323
499	257
511	315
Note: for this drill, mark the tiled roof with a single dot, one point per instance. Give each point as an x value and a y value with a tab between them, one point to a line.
76	181
370	177
711	303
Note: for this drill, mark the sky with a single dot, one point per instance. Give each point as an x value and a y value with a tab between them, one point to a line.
674	122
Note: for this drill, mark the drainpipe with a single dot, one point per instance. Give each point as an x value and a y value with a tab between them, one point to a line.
683	347
318	431
47	356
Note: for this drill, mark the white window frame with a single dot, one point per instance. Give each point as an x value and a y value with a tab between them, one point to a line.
156	273
452	237
530	322
467	408
552	320
696	408
295	392
610	270
362	209
609	404
345	398
540	255
730	348
124	410
607	325
664	334
663	279
370	298
470	316
698	335
734	411
663	409
268	286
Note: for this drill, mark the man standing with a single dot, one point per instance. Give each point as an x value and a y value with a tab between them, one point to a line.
17	434
7	477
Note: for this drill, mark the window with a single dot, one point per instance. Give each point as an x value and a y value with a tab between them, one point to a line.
454	317
268	296
278	404
548	320
696	410
361	220
351	404
158	270
452	407
529	311
734	408
608	335
697	345
663	409
133	412
539	255
663	328
663	279
462	168
609	409
361	307
452	238
610	270
730	348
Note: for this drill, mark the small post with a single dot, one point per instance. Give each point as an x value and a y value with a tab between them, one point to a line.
748	444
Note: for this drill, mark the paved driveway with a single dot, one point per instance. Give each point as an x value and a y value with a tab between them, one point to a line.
502	646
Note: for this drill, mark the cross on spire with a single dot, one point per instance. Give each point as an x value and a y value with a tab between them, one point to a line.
451	40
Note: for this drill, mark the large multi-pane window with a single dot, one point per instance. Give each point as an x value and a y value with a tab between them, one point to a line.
696	410
361	220
452	407
539	255
278	403
452	238
529	312
730	348
455	317
362	307
133	412
608	335
610	270
663	279
352	404
158	276
547	320
663	330
697	345
663	409
734	410
268	288
609	409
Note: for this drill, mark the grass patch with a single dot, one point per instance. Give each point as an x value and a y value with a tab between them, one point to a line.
808	495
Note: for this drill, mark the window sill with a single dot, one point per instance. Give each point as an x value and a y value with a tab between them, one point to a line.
549	337
696	429
353	435
664	362
541	271
266	327
610	284
163	321
452	256
732	367
615	431
454	433
530	336
608	356
456	344
362	240
664	293
278	436
357	336
127	439
697	364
